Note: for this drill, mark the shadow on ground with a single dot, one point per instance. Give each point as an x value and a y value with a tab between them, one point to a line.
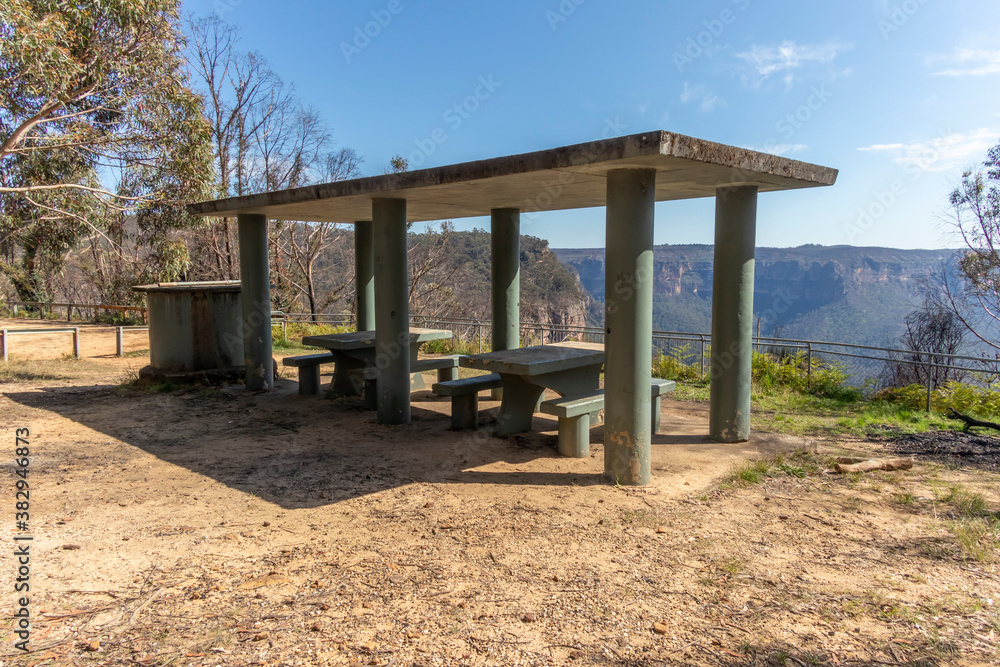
307	451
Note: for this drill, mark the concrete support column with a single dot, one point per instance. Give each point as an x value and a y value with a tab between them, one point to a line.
392	310
505	269
505	246
732	313
364	275
256	297
628	343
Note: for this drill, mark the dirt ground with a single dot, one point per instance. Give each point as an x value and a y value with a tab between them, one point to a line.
211	526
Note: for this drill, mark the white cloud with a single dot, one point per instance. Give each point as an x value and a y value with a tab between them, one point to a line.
643	108
967	62
786	58
706	101
943	153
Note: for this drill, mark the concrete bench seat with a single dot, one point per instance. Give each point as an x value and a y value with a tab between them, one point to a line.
465	398
446	366
577	413
308	365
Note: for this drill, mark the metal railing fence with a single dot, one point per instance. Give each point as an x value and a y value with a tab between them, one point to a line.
864	365
47	309
5	336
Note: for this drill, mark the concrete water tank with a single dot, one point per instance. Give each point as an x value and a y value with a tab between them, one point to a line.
194	330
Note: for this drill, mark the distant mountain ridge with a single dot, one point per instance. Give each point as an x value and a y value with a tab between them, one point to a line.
841	293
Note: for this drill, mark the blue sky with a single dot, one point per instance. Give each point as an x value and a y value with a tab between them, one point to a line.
900	95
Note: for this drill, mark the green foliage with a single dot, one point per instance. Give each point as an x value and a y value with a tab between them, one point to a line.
771	373
298	330
979	401
94	92
894	417
680	364
456	345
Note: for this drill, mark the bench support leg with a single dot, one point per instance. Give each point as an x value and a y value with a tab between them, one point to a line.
417	382
346	377
371	394
465	412
520	400
447	374
309	379
654	407
574	436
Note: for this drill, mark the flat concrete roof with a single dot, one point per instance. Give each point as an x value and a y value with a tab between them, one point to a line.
549	180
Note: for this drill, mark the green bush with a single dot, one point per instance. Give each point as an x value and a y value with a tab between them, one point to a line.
297	330
770	373
983	402
455	345
679	364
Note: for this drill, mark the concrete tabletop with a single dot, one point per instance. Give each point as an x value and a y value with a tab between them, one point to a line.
537	360
354	340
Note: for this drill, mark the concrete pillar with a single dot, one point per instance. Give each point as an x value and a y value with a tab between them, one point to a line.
505	279
732	313
364	275
505	246
256	297
628	316
392	310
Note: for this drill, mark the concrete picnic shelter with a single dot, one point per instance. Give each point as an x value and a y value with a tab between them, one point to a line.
627	175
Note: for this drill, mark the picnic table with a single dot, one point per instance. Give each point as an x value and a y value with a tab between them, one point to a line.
568	368
355	351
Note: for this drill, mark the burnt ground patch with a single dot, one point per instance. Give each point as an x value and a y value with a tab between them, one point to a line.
958	448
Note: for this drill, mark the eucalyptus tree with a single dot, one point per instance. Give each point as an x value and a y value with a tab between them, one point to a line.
970	288
98	126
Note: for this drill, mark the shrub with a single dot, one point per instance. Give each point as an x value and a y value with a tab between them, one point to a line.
771	373
455	345
679	364
982	402
298	330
